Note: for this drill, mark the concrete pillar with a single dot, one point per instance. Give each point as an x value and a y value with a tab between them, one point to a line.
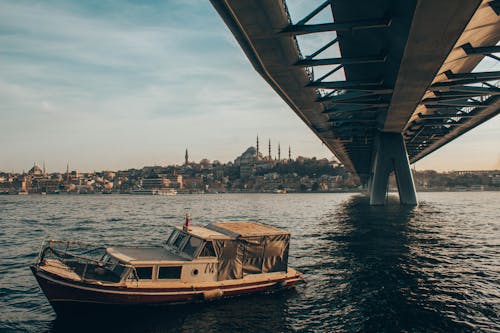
391	156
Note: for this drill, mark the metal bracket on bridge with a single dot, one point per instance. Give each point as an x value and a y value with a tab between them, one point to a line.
484	50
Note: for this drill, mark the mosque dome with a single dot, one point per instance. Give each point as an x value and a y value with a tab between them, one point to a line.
35	170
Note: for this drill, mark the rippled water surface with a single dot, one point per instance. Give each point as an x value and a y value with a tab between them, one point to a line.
431	268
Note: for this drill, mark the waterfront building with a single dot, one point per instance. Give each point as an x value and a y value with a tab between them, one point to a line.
155	183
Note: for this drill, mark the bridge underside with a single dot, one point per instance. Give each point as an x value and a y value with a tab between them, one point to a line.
408	82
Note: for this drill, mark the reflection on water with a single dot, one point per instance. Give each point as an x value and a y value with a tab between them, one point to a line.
257	313
375	244
429	268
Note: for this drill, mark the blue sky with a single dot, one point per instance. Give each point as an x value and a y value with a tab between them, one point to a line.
116	85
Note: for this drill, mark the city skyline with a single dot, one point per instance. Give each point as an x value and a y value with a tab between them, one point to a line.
110	86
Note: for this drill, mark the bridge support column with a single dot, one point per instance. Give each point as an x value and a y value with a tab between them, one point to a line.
390	156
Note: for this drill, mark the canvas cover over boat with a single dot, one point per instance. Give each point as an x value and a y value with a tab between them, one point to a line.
253	248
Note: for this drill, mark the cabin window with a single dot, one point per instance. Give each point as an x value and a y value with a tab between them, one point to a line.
178	241
144	273
119	269
173	237
208	250
192	245
169	272
110	263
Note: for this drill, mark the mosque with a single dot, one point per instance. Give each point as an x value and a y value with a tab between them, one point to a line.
252	160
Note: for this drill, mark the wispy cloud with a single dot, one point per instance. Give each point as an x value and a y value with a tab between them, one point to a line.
117	84
113	80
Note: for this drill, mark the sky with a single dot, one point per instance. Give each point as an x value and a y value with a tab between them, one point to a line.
109	85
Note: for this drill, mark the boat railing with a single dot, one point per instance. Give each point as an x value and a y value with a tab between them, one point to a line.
84	259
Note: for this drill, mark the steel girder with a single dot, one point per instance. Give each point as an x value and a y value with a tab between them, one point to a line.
377	40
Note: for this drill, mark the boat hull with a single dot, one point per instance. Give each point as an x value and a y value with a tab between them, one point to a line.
65	295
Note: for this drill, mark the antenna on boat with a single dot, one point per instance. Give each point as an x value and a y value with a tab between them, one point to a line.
188	220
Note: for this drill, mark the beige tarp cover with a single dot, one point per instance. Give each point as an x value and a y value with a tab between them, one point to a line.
256	248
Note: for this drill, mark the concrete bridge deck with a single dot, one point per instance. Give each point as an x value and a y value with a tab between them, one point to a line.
409	70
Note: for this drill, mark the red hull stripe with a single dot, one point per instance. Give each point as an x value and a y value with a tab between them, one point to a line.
76	284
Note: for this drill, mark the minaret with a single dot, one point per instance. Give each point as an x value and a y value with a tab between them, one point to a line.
269	156
257	146
67	173
44	171
186	158
279	152
289	153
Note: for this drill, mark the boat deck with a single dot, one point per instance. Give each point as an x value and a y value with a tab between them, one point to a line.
133	255
58	268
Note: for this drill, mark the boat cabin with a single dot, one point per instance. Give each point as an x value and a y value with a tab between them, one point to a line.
216	252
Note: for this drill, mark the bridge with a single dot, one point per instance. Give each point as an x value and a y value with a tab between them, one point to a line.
385	82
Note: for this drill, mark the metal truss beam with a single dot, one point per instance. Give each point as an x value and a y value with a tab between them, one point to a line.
339	61
456	83
350	108
353	129
458	104
422	132
372	90
449	97
302	29
352	85
345	85
454	96
445	116
365	103
341	118
475	91
314	12
327	45
337	68
486	50
351	121
349	95
478	75
434	122
454	110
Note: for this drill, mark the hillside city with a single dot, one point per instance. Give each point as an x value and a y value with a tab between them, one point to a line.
252	171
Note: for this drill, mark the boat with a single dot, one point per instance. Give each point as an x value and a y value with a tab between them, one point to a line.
194	265
164	191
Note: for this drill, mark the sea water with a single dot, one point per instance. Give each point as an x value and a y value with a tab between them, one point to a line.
435	267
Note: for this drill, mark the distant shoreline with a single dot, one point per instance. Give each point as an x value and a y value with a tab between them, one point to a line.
249	192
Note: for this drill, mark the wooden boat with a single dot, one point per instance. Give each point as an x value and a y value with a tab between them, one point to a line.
196	264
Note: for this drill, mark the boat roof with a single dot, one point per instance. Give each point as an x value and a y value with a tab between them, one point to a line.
146	255
245	229
232	230
205	233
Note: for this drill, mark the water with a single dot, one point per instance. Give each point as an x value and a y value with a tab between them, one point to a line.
431	268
